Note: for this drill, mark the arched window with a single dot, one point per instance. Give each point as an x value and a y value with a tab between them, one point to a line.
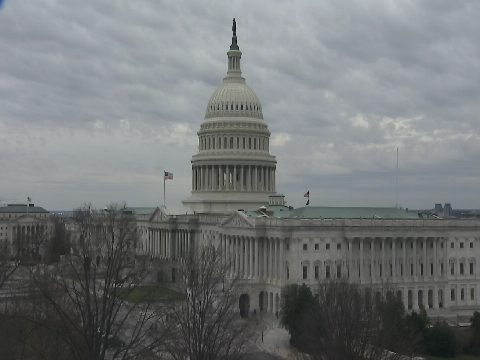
231	106
243	143
224	142
219	142
231	143
255	144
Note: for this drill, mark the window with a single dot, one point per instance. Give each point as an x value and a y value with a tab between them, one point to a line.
452	269
339	271
462	294
421	269
317	246
411	245
219	143
472	294
461	268
305	272
316	271
380	269
421	245
339	246
243	143
452	245
391	270
380	246
411	269
471	268
471	245
327	271
305	247
288	247
431	269
288	272
441	269
452	295
441	245
461	245
255	144
249	143
327	246
401	269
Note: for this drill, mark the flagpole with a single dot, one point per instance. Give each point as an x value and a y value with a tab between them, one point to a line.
164	190
27	205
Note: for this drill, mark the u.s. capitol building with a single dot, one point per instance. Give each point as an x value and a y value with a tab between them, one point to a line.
234	204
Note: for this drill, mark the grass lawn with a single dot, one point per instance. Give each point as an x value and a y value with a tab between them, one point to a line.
155	292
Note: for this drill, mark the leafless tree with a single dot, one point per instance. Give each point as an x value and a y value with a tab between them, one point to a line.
89	291
207	325
7	265
352	323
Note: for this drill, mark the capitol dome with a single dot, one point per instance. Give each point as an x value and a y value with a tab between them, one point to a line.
234	98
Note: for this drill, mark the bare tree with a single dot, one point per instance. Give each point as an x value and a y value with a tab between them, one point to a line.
90	291
7	265
351	323
207	325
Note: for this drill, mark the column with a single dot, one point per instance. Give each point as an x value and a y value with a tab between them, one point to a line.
372	256
265	261
241	179
193	178
255	184
362	279
227	177
237	256
384	269
275	259
274	185
282	261
270	262
404	260
425	260
169	245
394	260
250	270
415	296
229	256
257	259
188	243
245	257
235	177
435	293
414	260
435	262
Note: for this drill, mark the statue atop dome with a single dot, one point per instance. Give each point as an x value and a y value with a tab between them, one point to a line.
234	45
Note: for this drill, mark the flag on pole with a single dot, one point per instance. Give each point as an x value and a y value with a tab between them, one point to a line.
29	199
308	202
168	175
307	194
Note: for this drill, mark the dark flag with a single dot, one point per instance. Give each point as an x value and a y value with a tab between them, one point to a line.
308	202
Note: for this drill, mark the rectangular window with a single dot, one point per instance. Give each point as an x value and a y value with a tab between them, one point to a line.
391	270
461	245
317	246
288	247
305	272
327	246
441	269
411	245
472	294
461	268
431	269
380	269
288	273
452	269
401	269
380	246
462	294
431	245
339	246
316	272
471	245
471	268
327	271
305	247
452	295
339	271
421	245
452	245
421	269
441	245
411	269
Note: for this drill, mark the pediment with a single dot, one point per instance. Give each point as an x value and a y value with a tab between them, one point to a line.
159	216
238	220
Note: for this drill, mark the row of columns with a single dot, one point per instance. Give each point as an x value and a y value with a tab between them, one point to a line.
224	178
394	273
168	244
253	258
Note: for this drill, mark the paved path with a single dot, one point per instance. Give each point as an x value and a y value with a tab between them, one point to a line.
276	341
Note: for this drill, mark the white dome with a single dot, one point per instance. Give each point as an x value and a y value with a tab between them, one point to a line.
234	98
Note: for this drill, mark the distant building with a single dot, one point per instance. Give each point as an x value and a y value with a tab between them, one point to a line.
425	261
438	209
24	230
447	210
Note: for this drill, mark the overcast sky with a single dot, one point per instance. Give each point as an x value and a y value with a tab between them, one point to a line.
98	97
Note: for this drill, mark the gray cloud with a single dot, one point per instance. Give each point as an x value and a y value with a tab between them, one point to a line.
97	98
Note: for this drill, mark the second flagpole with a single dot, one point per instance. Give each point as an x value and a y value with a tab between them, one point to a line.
164	189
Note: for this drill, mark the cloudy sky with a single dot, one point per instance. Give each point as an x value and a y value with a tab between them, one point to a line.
98	97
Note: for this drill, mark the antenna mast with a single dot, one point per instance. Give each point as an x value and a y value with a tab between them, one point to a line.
397	179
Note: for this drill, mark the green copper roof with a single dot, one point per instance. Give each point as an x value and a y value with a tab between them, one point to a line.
142	210
22	209
318	212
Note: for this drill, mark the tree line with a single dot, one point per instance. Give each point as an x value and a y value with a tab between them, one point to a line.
95	299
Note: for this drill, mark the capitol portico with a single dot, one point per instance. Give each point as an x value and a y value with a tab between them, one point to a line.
234	205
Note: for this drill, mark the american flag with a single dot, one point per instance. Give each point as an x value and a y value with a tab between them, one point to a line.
307	194
168	175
